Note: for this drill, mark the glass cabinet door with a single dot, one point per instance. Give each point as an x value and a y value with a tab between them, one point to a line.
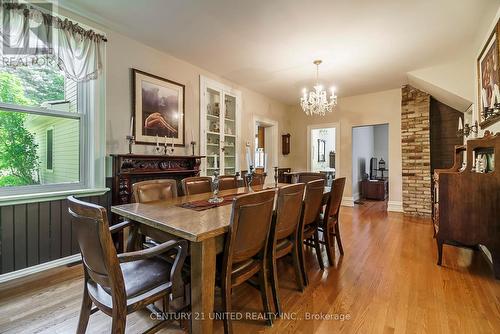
229	134
213	131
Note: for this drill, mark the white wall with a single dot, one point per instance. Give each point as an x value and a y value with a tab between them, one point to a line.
362	152
381	142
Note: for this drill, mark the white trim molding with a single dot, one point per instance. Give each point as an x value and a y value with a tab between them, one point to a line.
347	201
39	268
395	206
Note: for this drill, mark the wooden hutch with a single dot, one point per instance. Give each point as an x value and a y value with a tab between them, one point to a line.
131	168
467	202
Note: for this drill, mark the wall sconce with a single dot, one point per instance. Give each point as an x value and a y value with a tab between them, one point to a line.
466	130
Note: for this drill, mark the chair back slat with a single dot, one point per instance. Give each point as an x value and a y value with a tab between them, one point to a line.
228	182
250	224
91	228
197	185
312	201
336	195
288	209
154	190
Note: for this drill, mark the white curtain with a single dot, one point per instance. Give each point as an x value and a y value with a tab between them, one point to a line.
79	52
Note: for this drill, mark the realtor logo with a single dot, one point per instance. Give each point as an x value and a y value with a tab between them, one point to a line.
23	31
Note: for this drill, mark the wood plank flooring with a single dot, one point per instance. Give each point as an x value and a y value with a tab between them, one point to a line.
387	282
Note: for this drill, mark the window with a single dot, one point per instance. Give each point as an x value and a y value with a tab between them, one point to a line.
49	153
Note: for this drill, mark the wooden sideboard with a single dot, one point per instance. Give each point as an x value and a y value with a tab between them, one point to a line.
375	189
131	168
467	203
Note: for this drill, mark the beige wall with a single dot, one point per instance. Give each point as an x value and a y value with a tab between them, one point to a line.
367	109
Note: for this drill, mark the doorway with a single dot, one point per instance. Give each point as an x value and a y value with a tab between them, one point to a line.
370	162
265	144
323	141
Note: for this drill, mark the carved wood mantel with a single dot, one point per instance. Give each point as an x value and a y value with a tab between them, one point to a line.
131	168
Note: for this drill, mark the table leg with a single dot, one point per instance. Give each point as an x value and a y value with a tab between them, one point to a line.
202	285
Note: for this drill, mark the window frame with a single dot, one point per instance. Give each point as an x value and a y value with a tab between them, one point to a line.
83	156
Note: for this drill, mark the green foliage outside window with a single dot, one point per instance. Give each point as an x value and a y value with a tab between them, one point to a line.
19	162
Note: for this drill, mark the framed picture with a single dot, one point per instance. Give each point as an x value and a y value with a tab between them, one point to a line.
158	110
488	70
321	150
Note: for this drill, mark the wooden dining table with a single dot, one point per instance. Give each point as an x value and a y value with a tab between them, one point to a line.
204	230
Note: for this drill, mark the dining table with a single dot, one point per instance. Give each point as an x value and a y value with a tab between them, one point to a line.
203	225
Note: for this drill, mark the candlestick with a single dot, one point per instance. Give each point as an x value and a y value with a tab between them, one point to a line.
131	141
460	124
192	145
276	176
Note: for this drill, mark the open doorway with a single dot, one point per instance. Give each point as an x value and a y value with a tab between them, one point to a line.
265	145
323	141
370	162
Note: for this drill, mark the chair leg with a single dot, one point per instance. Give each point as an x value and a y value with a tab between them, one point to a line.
327	235
273	271
299	275
264	292
303	263
166	303
226	306
337	237
318	249
440	250
84	312
119	316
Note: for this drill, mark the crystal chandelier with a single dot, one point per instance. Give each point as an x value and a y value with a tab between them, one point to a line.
316	102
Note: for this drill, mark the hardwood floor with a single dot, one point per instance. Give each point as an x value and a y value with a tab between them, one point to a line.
387	282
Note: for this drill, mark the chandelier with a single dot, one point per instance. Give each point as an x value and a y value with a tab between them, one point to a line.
316	102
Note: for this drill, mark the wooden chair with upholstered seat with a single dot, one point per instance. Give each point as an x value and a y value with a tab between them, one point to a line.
154	190
284	238
308	231
246	247
119	284
228	182
329	220
196	185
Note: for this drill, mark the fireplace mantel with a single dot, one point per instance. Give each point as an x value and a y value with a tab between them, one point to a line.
131	168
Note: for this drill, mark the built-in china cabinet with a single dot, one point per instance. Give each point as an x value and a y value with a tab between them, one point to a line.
220	112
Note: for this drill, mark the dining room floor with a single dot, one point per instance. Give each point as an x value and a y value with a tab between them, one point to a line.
387	282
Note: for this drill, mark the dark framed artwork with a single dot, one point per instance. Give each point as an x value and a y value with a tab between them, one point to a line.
488	69
321	150
158	109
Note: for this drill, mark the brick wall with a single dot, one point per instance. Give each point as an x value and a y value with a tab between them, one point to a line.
416	152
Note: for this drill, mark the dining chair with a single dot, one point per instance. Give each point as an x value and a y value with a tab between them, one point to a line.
284	238
196	185
329	220
308	230
305	177
258	178
154	190
228	182
119	284
245	248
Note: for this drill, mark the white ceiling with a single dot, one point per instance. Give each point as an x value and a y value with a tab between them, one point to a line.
269	45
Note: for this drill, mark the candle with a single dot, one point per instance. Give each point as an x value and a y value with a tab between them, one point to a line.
157	141
485	99
265	163
131	126
166	142
497	93
248	158
172	143
460	123
192	135
492	103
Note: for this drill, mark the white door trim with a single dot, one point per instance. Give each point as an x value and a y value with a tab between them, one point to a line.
335	125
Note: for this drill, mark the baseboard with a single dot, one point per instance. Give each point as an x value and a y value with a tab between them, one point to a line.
395	206
355	197
39	268
347	201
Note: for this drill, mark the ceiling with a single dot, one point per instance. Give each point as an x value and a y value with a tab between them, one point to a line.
269	45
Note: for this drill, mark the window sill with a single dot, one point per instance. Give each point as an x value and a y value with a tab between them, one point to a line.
49	196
